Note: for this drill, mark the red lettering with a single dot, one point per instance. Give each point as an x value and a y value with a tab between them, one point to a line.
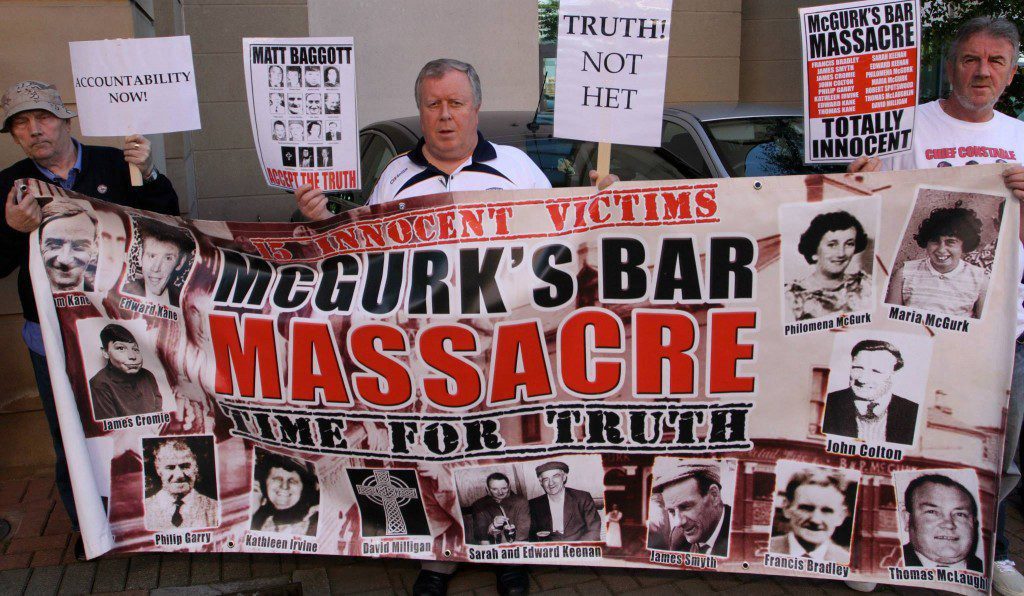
460	384
387	384
313	349
725	351
519	363
238	360
663	352
587	331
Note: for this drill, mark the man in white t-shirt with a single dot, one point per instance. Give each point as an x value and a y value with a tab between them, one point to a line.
451	156
962	130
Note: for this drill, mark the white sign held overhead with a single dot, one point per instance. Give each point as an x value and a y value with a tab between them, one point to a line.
302	106
861	70
135	86
610	81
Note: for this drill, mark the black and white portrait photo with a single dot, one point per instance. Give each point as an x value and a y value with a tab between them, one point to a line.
275	77
296	104
827	257
294	77
312	76
332	103
280	132
124	373
331	77
876	385
947	252
390	502
296	130
277	103
160	259
493	503
314	104
324	157
180	483
68	245
939	518
286	493
306	157
566	498
690	507
814	511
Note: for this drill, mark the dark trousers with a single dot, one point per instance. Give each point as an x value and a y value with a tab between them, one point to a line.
61	475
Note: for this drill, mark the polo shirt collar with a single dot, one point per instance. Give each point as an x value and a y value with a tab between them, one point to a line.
484	152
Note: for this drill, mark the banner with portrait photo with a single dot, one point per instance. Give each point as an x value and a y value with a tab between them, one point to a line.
302	107
693	374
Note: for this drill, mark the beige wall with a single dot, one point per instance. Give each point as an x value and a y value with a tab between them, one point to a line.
704	51
394	38
770	51
218	163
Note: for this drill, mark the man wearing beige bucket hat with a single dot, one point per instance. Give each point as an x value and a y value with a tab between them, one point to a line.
40	124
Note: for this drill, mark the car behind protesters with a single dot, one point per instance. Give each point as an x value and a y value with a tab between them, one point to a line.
40	124
451	156
980	64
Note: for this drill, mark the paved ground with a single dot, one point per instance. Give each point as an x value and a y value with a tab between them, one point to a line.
37	558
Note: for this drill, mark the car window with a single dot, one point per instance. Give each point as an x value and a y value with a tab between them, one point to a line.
678	141
568	163
376	155
768	146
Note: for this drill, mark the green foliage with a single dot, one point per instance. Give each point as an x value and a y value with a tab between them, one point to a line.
940	20
547	20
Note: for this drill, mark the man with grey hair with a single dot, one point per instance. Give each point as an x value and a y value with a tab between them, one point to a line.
965	129
451	155
40	124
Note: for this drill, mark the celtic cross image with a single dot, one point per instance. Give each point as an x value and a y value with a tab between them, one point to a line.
392	494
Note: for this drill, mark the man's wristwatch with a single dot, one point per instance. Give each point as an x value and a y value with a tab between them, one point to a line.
152	175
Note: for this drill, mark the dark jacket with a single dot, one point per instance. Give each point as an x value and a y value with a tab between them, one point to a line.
841	417
101	167
721	546
910	559
580	519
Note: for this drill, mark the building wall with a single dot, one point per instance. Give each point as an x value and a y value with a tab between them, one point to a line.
219	167
704	51
394	38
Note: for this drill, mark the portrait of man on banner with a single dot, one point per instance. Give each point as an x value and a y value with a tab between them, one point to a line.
160	260
876	387
287	495
940	520
180	483
690	509
564	513
494	508
68	245
814	512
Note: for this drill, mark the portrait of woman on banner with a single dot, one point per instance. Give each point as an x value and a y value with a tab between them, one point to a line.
839	281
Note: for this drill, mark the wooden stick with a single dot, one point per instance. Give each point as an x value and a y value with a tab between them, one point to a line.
604	159
136	174
133	170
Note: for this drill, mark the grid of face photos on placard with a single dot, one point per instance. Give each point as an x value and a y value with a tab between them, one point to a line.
305	104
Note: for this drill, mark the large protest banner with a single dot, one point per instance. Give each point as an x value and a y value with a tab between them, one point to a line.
861	64
724	375
302	106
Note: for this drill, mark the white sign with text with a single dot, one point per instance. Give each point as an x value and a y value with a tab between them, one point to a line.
135	86
610	80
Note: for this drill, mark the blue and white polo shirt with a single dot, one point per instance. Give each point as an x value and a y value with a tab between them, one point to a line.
491	167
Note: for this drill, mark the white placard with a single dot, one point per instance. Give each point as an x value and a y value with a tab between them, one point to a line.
135	86
610	78
302	105
861	66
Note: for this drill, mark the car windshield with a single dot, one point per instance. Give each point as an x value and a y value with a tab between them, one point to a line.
566	162
767	146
